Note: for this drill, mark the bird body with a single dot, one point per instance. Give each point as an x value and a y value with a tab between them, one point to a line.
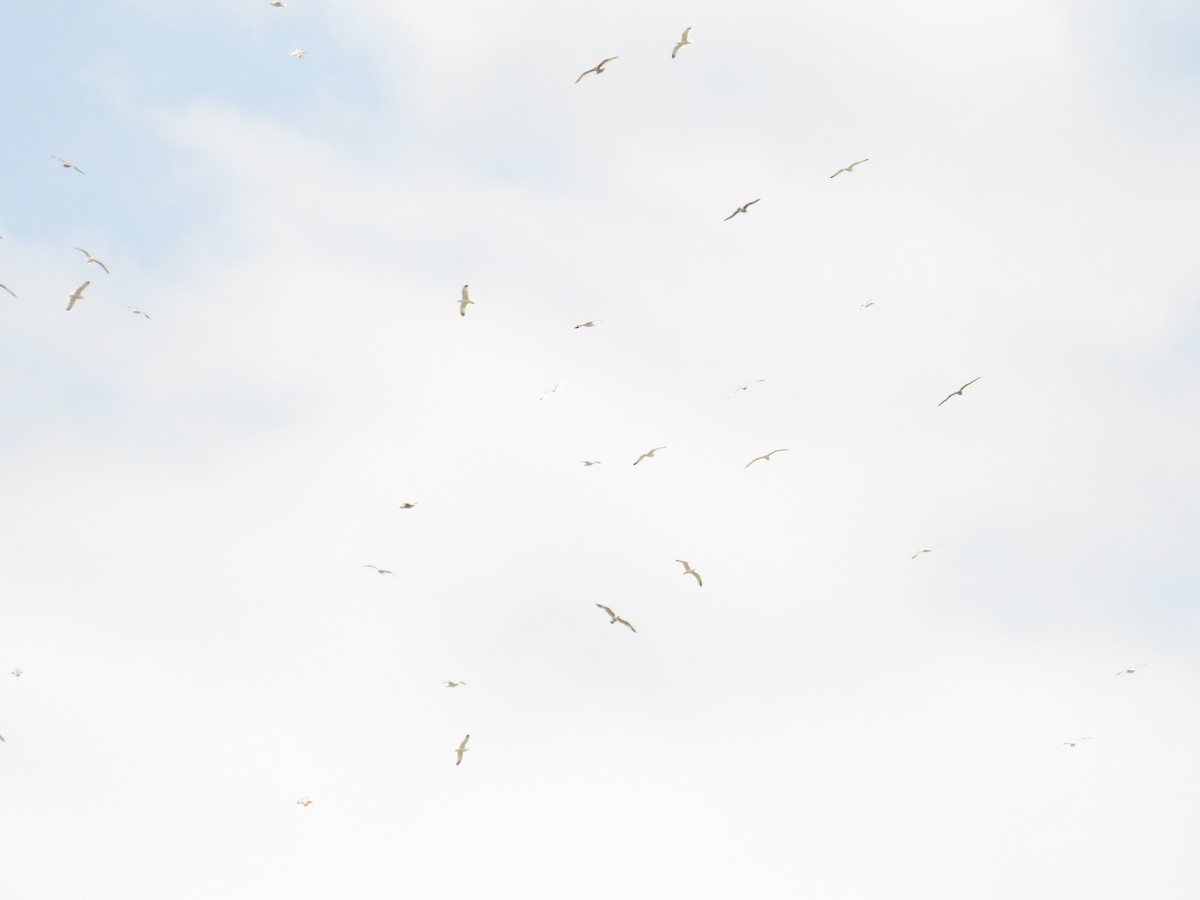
304	801
465	301
278	3
868	304
1131	670
16	673
649	454
75	295
598	68
741	209
849	168
958	393
590	323
299	52
688	570
683	41
453	683
379	570
922	550
766	456
407	505
462	748
67	165
1074	742
590	462
614	618
137	311
553	390
92	259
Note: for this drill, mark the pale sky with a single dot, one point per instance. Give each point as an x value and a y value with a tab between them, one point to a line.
189	501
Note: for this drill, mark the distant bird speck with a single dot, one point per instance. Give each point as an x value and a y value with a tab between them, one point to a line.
590	462
766	456
1074	742
590	323
741	209
683	41
688	570
649	454
849	168
868	304
67	165
453	683
379	570
299	52
553	390
922	550
462	748
614	618
92	259
7	289
137	311
304	801
1132	669
598	68
744	387
16	673
958	393
407	505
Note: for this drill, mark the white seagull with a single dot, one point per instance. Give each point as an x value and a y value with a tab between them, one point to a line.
766	456
553	390
590	462
649	454
304	801
849	168
453	683
92	259
16	673
299	52
598	68
137	311
922	550
379	570
958	393
7	289
1132	669
614	618
67	165
683	42
741	209
744	387
462	748
465	301
75	295
1074	742
278	3
868	304
407	504
590	323
688	570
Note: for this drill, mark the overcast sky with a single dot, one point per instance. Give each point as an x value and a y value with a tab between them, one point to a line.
188	501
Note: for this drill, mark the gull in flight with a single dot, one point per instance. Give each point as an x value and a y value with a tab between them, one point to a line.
1132	669
766	456
75	295
1074	742
688	570
67	165
614	618
304	801
598	68
7	289
462	748
379	570
453	683
465	301
922	550
649	454
744	387
868	304
407	504
299	52
849	168
590	323
92	259
137	311
16	673
278	3
590	462
741	209
683	42
958	393
553	390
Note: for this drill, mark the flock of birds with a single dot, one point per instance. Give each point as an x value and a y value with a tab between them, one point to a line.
464	302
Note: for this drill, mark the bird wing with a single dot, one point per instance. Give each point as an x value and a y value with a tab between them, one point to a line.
462	306
607	610
626	624
7	289
753	461
752	202
605	62
464	292
460	756
948	396
699	581
686	32
85	253
463	745
968	384
853	164
100	264
780	450
588	72
732	214
79	290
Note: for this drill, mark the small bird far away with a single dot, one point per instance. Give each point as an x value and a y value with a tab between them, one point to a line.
1074	742
1132	669
75	295
868	304
614	618
465	301
922	550
766	456
92	259
744	387
849	168
16	673
278	3
379	570
304	801
590	462
462	748
407	504
590	323
598	68
958	393
683	41
67	165
553	390
741	209
453	683
649	454
137	311
299	52
688	570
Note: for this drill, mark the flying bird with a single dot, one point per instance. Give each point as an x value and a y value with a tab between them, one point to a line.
453	683
407	505
922	550
75	295
598	68
590	323
462	748
958	393
278	3
16	673
744	387
92	259
741	209
868	304
590	462
688	570
299	52
766	456
67	165
849	168
304	801
553	390
137	311
649	454
379	570
1074	742
683	42
614	618
465	301
1132	669
7	289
